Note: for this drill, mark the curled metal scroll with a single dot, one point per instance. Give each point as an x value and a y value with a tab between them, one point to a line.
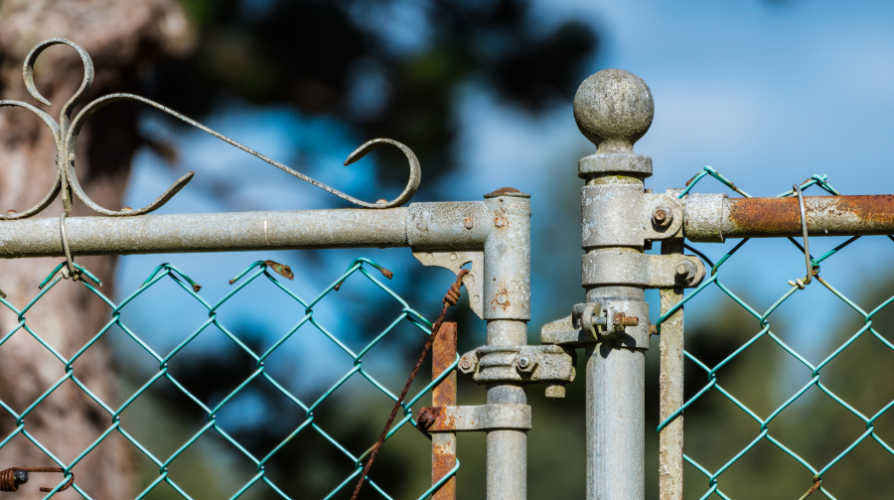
67	129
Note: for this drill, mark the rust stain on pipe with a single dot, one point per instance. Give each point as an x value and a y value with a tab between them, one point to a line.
826	216
443	445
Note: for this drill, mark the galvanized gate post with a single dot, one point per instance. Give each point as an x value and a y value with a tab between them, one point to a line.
613	109
619	220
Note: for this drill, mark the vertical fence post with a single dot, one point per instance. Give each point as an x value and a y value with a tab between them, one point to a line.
507	309
670	446
613	109
443	444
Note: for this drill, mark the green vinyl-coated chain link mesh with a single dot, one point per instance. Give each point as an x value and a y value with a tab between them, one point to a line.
255	271
714	280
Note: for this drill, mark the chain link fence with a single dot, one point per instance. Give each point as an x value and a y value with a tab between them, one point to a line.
763	326
359	269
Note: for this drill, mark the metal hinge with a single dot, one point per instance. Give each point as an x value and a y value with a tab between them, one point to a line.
548	364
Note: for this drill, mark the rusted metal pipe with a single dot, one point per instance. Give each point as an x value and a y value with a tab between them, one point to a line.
780	217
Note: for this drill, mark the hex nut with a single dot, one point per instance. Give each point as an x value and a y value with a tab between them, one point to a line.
662	217
524	362
466	364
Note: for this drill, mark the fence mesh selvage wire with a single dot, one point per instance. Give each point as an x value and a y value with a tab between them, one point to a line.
257	270
713	384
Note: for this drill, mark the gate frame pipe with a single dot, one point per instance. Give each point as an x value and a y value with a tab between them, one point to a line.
499	227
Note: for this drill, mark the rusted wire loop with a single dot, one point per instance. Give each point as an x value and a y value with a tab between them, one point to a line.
817	482
806	281
66	131
448	301
13	477
69	271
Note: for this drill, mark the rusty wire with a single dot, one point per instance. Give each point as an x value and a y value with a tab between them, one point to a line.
450	299
817	482
11	478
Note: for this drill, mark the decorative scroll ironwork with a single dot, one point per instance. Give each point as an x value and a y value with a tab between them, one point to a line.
66	134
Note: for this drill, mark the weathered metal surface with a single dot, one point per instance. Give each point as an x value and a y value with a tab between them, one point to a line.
780	217
702	216
614	108
225	232
443	226
507	268
615	423
454	261
450	419
518	363
670	380
623	215
619	267
443	445
507	465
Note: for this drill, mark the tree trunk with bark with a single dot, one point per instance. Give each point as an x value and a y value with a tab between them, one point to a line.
124	38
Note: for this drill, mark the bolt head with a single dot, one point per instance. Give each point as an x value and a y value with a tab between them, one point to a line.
425	420
465	364
524	362
662	217
613	109
468	223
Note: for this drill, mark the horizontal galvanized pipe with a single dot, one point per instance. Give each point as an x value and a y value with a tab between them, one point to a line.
780	217
223	232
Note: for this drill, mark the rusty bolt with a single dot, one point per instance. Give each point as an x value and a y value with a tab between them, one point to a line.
10	212
468	223
662	217
425	419
623	320
686	271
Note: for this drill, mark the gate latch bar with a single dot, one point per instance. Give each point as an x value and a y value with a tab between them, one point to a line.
474	418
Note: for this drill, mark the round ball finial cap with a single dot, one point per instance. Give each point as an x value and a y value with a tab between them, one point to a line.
613	109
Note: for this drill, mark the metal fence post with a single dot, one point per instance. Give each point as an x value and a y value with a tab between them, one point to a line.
613	109
507	309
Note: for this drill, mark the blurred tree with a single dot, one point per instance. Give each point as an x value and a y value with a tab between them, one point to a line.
124	37
387	68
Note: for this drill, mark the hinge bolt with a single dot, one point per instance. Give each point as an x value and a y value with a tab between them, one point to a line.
524	362
623	320
662	217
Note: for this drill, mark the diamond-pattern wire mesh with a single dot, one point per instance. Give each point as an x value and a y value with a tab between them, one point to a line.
765	331
254	271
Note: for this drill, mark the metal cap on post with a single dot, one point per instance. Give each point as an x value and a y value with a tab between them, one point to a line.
613	109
